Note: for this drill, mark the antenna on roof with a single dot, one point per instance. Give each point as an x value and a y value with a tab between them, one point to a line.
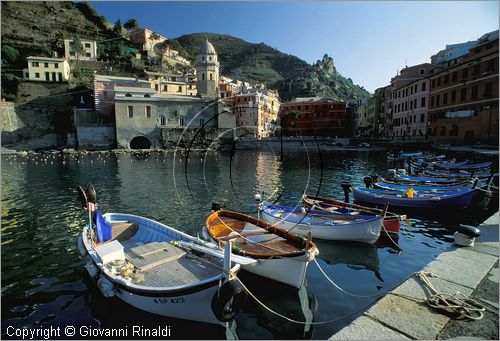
406	62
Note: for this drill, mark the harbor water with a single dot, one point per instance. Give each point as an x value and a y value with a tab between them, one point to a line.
44	282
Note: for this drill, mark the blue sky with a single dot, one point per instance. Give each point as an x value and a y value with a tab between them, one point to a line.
368	40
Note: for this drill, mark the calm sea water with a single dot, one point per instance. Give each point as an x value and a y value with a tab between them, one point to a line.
44	282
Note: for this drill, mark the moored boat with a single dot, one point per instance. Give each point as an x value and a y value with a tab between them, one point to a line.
480	174
391	223
157	268
323	224
456	199
282	256
426	180
465	167
420	188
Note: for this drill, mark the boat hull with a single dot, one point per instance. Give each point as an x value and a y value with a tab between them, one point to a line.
366	232
461	200
391	223
287	270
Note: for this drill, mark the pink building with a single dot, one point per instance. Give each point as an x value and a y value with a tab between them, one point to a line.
104	91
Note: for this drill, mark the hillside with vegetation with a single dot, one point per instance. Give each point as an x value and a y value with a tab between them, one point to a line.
261	63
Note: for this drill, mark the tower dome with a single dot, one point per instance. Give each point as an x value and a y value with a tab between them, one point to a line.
207	47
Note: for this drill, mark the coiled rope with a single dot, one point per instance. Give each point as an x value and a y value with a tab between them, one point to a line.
458	304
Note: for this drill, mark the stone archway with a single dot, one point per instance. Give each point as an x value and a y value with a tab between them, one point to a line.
140	142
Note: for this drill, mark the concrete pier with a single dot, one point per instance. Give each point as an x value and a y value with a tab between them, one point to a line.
403	314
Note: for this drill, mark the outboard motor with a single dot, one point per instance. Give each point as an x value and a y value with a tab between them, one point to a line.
346	187
368	181
391	174
216	206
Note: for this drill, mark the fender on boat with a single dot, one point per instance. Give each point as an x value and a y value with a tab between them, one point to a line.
106	287
228	300
81	247
92	269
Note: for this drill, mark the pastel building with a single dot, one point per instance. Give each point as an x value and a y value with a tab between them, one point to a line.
89	50
174	84
463	98
410	92
318	116
45	69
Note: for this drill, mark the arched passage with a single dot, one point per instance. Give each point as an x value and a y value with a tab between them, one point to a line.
140	142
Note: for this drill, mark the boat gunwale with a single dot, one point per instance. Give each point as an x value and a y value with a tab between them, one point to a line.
290	238
326	215
388	215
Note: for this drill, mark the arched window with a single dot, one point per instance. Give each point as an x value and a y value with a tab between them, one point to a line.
163	120
202	76
147	95
211	76
128	95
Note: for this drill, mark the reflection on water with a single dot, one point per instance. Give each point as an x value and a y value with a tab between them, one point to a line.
44	281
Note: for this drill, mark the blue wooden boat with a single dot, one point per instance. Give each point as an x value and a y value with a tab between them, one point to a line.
466	167
483	174
456	199
404	155
427	179
421	188
421	164
427	183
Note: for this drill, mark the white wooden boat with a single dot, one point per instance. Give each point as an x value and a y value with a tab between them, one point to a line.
281	256
161	270
325	225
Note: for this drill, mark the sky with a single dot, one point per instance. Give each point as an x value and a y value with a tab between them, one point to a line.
370	41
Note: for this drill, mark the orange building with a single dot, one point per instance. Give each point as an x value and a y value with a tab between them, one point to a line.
256	111
318	116
463	99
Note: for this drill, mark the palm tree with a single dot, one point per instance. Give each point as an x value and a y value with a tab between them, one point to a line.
130	24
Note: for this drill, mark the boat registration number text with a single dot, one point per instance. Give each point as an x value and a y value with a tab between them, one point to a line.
173	300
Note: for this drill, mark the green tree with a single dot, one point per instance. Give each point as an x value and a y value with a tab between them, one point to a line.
9	55
130	24
77	48
118	27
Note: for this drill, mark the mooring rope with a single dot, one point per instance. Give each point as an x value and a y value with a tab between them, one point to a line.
458	303
293	320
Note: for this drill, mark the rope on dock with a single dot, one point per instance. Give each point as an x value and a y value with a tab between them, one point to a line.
458	304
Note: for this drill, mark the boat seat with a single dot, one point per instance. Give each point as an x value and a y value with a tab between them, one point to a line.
147	256
234	234
122	231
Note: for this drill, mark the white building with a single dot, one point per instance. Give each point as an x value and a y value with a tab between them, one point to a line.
89	50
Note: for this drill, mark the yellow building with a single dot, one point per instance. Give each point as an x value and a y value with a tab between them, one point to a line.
47	69
172	84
